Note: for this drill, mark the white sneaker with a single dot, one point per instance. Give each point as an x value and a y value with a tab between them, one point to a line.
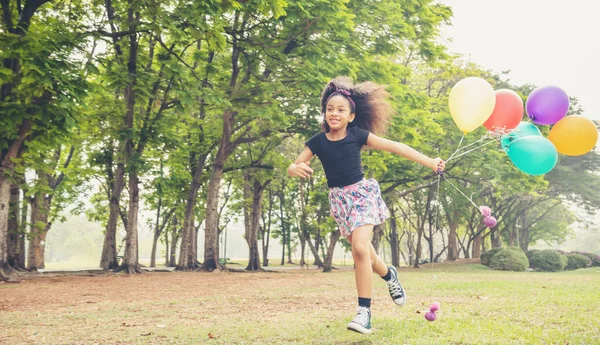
396	290
362	321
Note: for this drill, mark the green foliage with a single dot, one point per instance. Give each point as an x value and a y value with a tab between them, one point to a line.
487	256
576	261
509	259
595	258
548	260
530	253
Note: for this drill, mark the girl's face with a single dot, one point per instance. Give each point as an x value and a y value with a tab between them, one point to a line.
338	113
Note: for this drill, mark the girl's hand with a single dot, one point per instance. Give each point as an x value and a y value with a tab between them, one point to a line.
301	170
438	165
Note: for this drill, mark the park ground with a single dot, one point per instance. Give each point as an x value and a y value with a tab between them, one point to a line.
301	306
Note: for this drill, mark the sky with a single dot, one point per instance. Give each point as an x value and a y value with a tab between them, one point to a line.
541	42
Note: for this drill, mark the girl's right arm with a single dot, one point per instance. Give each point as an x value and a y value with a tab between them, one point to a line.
300	167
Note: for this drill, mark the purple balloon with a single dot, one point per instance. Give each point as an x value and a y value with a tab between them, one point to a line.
546	105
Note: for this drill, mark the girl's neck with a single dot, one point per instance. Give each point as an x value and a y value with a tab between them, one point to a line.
338	134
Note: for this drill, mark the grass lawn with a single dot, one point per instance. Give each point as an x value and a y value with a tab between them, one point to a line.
299	306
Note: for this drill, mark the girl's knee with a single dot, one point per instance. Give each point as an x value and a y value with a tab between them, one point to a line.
360	251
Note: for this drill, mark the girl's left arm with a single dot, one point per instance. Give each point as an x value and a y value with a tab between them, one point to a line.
373	141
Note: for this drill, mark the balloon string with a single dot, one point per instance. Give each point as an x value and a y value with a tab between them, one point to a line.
471	150
437	210
458	148
463	194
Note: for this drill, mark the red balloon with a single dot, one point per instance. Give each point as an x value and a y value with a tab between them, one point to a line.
508	111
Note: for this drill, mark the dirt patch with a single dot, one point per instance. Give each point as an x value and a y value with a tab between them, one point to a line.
49	291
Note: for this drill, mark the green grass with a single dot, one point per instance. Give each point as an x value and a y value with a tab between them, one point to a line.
478	306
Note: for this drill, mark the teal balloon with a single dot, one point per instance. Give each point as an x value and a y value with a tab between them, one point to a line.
522	130
533	155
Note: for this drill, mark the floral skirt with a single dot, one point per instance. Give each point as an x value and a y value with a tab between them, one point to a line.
356	205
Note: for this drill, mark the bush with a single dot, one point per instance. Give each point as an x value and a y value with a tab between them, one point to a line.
510	259
548	260
575	261
487	256
530	253
595	258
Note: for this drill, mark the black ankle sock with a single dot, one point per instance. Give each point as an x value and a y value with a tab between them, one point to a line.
364	302
388	275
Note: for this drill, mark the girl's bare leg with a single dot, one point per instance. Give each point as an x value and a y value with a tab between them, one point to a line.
361	253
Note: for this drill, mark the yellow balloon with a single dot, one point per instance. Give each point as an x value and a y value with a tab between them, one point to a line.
574	135
472	101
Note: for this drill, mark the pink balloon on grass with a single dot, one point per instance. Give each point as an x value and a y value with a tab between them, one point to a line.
430	316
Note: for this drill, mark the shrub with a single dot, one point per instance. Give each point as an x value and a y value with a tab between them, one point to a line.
548	260
575	261
595	258
487	256
509	259
530	253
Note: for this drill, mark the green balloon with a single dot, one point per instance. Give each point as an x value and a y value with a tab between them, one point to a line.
533	155
522	130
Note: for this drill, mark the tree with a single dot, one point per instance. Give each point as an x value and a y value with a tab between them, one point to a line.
41	85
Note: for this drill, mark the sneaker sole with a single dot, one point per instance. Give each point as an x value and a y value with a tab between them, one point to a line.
358	328
400	303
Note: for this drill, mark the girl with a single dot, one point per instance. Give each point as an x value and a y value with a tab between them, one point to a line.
351	116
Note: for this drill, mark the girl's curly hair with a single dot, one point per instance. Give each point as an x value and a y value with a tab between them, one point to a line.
373	112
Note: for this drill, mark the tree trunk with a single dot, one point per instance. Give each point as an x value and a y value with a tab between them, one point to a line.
377	234
496	239
418	249
15	250
393	239
302	247
512	237
172	262
23	231
157	228
477	245
282	220
153	253
109	259
328	264
167	247
40	208
266	232
194	252
255	189
315	252
211	253
186	261
452	246
130	258
6	273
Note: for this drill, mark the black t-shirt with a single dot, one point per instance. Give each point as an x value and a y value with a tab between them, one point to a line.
341	158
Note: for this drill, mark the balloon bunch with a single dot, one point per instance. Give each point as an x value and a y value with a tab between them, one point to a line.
473	102
430	315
